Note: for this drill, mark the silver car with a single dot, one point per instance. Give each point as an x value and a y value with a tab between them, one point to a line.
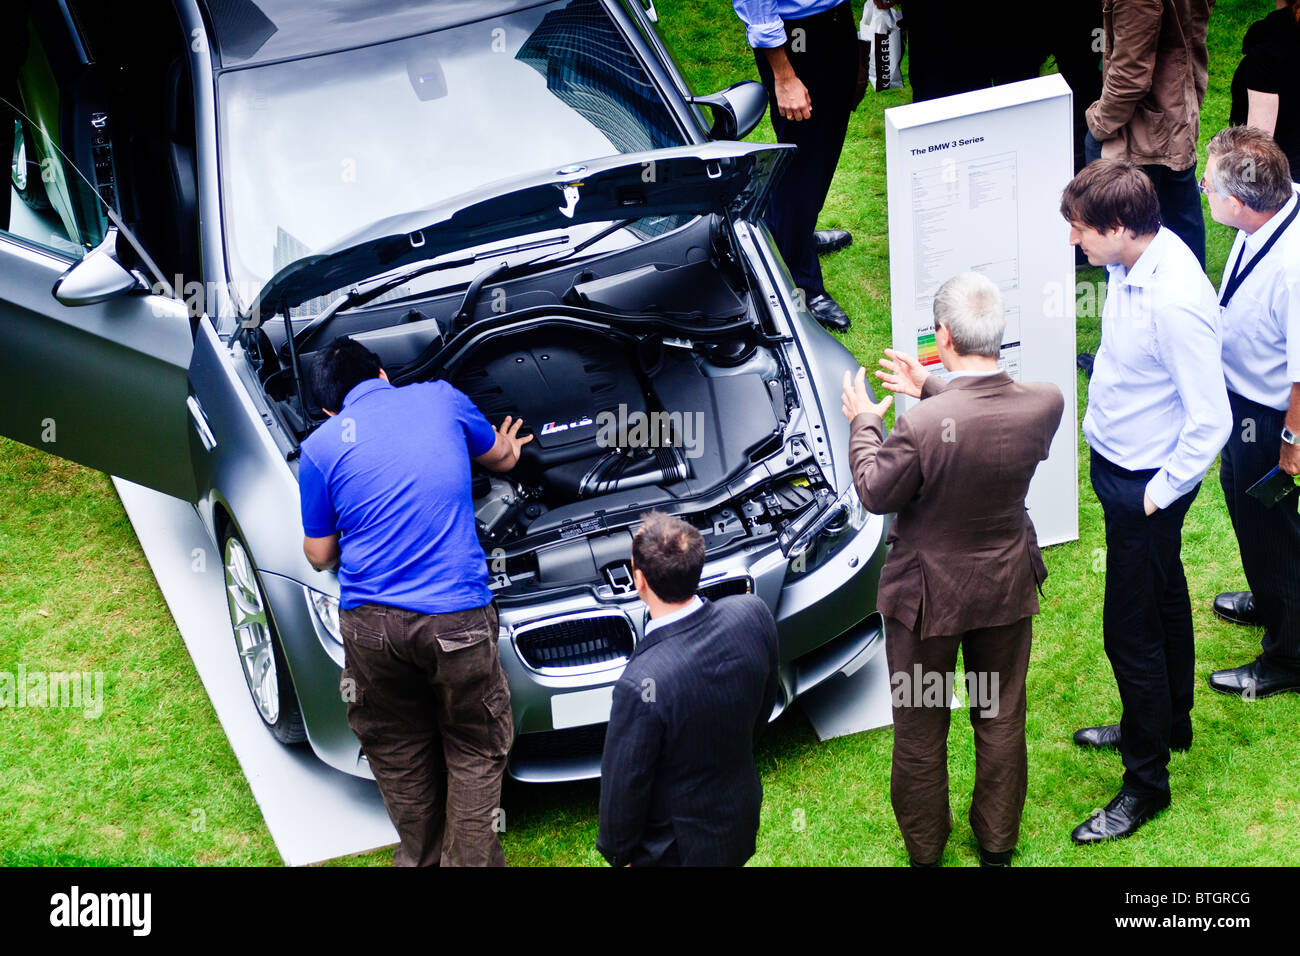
521	198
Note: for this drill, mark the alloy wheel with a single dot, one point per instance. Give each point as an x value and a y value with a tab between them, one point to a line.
252	632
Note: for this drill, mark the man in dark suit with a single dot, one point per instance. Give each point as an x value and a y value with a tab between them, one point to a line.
963	568
678	784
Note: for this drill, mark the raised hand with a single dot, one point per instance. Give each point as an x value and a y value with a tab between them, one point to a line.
903	373
854	399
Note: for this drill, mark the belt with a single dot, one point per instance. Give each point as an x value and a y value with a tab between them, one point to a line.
1100	460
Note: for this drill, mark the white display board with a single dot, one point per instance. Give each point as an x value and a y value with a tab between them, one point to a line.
975	184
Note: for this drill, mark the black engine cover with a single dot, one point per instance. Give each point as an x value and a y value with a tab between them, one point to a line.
559	389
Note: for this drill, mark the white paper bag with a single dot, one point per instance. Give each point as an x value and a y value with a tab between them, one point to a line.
880	29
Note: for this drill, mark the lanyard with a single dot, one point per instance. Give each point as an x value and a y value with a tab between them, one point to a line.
1235	279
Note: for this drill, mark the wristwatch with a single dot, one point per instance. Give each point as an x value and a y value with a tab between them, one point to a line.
1290	437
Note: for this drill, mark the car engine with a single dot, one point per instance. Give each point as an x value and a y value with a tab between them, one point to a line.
610	414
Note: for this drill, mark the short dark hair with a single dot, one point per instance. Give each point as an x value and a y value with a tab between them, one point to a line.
1112	192
339	368
670	553
1251	168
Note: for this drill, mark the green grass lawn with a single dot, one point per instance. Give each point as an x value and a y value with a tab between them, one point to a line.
153	780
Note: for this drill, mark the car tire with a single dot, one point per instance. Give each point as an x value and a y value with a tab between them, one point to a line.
261	658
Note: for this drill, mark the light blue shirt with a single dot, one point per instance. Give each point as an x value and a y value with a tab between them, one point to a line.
1157	397
762	18
658	622
1261	325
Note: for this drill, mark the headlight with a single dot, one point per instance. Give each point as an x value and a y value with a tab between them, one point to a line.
828	534
327	613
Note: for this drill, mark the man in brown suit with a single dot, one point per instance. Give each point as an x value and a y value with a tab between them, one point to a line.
963	568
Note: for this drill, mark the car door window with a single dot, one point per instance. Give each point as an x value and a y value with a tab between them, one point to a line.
50	203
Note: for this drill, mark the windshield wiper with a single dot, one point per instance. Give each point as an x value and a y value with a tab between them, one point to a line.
466	308
356	298
359	297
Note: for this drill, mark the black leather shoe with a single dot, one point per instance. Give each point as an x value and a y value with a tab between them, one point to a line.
1100	737
1255	680
1237	607
1085	360
1122	817
831	240
828	312
989	858
1108	737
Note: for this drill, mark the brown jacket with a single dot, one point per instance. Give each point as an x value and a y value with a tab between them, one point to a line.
963	552
1153	81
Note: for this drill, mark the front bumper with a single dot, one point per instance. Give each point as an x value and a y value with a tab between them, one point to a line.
826	622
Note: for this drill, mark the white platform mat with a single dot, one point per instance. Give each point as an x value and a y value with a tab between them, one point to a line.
314	812
851	703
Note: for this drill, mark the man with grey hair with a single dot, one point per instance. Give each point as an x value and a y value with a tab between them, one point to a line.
963	568
1248	184
969	307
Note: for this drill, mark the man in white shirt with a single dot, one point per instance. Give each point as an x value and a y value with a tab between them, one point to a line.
1157	416
1248	184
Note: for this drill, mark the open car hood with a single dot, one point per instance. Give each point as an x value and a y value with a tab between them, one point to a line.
726	178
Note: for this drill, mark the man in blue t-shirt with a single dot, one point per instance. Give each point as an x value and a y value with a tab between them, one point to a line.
385	487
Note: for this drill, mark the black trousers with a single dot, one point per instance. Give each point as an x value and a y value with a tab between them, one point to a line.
1072	42
953	48
1179	195
1146	622
1268	538
823	49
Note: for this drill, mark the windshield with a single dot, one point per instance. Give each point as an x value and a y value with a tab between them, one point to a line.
318	148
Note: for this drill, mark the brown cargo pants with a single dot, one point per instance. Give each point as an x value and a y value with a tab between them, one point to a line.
429	702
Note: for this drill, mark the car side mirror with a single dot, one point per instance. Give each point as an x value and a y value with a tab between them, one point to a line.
736	110
99	276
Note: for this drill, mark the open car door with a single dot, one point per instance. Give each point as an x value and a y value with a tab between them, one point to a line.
93	368
103	384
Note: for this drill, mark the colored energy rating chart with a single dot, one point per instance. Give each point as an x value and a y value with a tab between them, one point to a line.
927	352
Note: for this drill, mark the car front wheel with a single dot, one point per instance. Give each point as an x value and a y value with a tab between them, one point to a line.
260	656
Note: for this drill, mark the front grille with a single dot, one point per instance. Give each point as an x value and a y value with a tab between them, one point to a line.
575	642
726	587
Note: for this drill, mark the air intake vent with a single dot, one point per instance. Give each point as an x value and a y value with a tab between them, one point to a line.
726	587
557	745
579	641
